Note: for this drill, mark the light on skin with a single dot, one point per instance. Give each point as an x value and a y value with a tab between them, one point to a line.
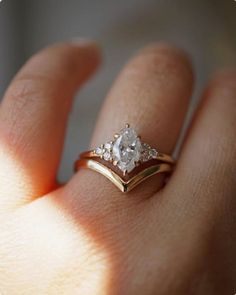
13	169
53	248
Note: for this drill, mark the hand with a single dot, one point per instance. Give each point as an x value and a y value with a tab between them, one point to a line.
86	237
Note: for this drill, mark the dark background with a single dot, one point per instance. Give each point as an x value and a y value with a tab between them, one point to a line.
206	29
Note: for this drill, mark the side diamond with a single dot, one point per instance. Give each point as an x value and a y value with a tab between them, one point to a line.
153	153
99	151
148	153
108	146
145	152
107	156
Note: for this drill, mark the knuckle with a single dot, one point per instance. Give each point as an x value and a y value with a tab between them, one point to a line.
25	90
22	100
161	61
225	77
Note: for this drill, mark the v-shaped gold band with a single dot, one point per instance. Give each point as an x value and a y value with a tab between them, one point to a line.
118	181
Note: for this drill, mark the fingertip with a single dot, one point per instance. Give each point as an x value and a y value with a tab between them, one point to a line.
79	60
90	46
224	77
171	52
85	42
221	87
88	49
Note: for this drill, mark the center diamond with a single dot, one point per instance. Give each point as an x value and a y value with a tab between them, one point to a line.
127	150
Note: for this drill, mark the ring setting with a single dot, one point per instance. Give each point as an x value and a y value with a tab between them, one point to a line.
126	151
126	160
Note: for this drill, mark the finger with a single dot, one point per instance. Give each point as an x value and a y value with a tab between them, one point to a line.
200	196
152	94
33	118
206	170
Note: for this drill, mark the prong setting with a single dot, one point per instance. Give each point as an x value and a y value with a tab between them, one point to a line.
126	151
137	163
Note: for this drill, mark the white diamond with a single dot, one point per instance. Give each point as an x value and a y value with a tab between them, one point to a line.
99	151
107	156
145	152
153	153
148	153
108	146
127	150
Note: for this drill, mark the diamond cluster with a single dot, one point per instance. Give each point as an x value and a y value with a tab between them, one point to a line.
126	151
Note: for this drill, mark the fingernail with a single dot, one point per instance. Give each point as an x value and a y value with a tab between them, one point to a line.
84	42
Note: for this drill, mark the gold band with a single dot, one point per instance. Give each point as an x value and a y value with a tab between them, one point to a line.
118	181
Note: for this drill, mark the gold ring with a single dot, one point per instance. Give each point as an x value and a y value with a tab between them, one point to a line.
126	161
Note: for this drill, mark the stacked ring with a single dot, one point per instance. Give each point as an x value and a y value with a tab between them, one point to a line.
126	161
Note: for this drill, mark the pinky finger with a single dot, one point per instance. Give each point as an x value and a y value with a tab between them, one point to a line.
208	159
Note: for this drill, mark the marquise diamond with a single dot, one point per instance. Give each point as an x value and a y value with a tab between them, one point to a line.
127	150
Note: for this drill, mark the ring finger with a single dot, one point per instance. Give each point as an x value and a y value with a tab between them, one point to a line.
152	94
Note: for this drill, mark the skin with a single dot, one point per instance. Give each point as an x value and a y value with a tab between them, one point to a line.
86	237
